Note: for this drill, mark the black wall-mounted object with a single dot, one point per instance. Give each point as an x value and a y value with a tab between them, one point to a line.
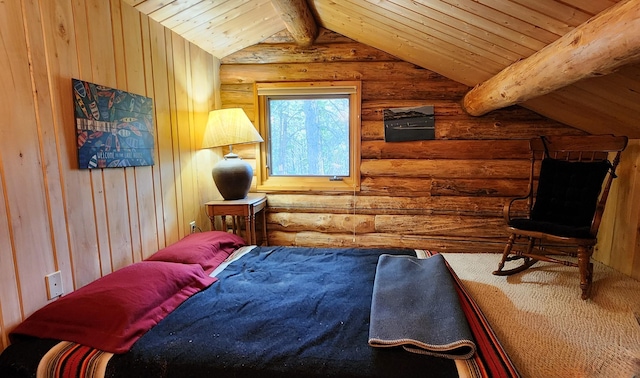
407	124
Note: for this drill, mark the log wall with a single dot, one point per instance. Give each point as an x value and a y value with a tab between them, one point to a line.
444	195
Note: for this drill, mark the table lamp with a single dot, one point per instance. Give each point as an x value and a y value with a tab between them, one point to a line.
227	127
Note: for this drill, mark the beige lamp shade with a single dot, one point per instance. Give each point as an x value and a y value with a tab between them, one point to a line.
227	127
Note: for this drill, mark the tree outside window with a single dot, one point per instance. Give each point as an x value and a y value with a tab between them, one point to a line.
312	136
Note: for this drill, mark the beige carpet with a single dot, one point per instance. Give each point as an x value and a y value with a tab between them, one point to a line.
547	329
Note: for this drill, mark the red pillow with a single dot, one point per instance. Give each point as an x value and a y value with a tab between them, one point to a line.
114	311
209	249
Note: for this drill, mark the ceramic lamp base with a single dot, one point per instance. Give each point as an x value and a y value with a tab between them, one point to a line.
232	177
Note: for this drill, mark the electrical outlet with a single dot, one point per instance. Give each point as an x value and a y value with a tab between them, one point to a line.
54	284
192	226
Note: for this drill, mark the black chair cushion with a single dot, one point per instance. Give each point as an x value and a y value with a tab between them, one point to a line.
567	196
551	228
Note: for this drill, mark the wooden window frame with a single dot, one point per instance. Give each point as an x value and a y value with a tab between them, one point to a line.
267	183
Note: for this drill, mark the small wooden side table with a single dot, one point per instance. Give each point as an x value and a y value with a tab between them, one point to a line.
247	208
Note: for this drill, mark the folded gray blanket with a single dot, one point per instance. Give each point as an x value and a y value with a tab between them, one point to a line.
415	305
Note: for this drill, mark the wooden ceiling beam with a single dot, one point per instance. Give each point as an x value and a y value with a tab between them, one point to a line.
598	47
298	19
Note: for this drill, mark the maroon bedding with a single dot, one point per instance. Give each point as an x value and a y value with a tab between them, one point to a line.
114	311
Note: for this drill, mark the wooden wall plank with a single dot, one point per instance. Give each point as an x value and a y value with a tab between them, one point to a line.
381	204
99	210
181	87
192	205
381	240
250	73
438	225
325	223
441	149
20	145
103	39
162	103
449	225
619	238
203	102
175	66
10	309
396	186
63	64
291	53
139	179
48	133
120	41
480	187
451	168
158	212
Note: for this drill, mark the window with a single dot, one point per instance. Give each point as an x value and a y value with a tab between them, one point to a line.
312	136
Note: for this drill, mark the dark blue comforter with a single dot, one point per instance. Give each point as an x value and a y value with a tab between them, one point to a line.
276	312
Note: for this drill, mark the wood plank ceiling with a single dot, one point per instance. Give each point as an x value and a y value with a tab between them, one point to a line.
468	41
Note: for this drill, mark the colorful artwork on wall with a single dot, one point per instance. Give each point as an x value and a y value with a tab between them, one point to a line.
114	128
405	124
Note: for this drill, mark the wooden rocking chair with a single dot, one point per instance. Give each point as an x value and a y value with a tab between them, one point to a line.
566	209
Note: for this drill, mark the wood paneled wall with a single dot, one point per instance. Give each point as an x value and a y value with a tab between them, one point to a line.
444	195
87	223
619	237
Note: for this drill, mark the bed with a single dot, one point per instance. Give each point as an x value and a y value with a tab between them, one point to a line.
211	306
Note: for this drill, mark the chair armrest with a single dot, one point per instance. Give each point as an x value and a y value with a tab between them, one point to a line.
506	210
597	218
